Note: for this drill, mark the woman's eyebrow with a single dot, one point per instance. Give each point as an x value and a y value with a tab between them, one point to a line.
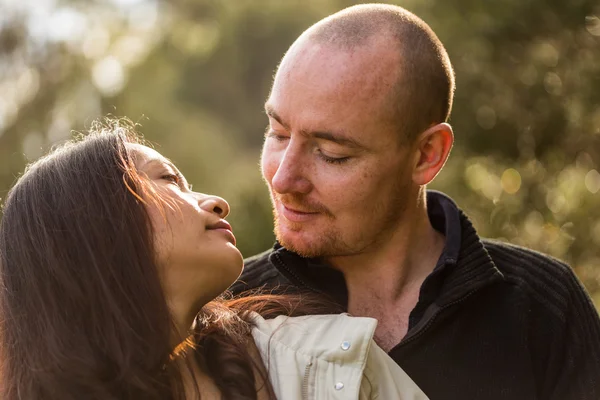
159	162
151	161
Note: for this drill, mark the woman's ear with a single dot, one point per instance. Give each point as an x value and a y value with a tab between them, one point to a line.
432	149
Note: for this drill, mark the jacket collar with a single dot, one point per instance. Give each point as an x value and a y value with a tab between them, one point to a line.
464	266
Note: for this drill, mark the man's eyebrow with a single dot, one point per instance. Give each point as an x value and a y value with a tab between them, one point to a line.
338	138
270	111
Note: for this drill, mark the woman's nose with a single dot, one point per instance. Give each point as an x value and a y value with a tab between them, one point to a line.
215	204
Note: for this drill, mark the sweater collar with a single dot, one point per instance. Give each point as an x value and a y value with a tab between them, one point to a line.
463	267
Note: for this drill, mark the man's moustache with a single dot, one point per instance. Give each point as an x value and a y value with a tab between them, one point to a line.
302	205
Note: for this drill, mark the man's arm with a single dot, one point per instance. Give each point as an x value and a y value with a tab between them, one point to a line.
564	326
577	362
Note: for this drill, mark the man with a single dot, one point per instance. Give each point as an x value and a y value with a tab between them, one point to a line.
357	129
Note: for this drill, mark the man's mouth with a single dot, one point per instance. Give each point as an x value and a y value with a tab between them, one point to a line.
298	210
294	214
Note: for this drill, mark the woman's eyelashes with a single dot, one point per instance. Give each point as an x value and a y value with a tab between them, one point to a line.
171	178
177	179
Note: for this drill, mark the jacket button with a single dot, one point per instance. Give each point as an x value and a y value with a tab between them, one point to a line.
345	345
338	386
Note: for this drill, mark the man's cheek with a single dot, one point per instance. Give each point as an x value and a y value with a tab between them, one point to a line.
269	169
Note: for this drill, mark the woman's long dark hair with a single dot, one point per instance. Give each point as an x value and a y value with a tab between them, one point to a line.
82	309
83	314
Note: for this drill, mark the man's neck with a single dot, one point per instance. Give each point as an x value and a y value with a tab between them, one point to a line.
384	283
407	256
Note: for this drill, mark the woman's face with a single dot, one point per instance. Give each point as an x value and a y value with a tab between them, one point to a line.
195	247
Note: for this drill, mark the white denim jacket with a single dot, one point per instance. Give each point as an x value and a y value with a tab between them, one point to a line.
329	357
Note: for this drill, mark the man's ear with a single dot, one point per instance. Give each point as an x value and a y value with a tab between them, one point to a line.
431	152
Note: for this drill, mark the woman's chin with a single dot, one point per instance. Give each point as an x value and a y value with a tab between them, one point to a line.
238	259
231	267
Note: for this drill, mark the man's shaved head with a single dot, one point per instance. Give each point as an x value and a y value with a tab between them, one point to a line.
341	157
423	91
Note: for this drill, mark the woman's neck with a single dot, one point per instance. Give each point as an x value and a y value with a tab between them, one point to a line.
197	384
197	381
183	314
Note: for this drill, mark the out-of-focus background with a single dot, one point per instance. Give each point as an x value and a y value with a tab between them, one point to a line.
195	74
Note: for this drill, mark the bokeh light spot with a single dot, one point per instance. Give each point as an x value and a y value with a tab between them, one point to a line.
555	201
534	222
8	114
553	83
108	76
592	24
96	43
546	54
66	25
131	50
32	145
511	181
592	181
27	85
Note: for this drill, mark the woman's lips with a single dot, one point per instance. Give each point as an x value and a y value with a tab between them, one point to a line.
221	224
225	228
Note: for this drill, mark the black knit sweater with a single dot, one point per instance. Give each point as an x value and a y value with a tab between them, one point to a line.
493	321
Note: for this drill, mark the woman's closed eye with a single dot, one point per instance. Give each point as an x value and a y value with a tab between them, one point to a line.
171	178
177	180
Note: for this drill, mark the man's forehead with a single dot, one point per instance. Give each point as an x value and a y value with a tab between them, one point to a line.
318	67
332	88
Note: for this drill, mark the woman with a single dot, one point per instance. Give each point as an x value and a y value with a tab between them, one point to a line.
109	267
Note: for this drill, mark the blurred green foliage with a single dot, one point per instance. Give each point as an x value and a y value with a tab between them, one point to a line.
195	74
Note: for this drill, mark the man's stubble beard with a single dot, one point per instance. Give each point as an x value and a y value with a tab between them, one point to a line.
323	244
331	243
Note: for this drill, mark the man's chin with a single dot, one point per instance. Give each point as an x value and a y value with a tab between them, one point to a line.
299	244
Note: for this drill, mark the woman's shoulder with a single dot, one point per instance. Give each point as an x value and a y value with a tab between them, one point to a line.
331	336
329	353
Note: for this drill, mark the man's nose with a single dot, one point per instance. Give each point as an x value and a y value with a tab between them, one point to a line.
214	204
291	175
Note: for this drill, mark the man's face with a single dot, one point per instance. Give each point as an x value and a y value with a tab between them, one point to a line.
338	176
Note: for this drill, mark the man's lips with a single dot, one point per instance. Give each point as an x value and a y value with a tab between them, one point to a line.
225	227
295	215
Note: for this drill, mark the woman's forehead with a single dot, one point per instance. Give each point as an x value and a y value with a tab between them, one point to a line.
143	154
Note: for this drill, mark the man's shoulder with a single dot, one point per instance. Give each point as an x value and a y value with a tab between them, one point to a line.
550	282
563	323
514	259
